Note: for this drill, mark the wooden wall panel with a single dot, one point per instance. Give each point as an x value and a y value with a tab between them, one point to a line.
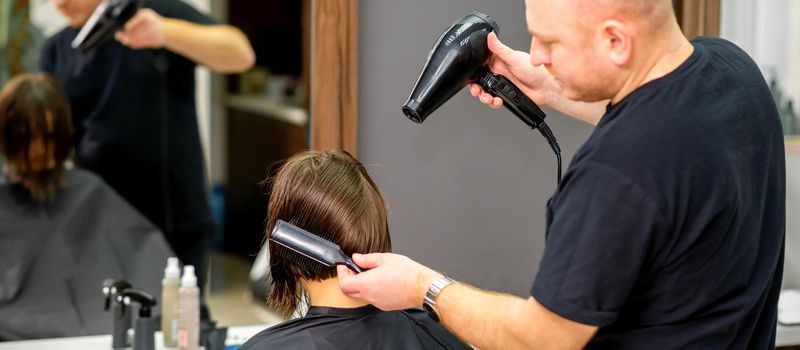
334	74
698	17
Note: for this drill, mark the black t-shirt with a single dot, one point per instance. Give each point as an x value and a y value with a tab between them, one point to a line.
365	327
135	127
668	228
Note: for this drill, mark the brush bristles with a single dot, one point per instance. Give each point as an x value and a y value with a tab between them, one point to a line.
313	266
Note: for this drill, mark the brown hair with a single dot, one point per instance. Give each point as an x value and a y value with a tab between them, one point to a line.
34	106
327	193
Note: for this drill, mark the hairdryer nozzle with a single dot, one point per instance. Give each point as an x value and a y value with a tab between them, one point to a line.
411	110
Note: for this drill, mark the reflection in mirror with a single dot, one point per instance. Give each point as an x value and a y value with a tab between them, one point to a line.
264	119
247	122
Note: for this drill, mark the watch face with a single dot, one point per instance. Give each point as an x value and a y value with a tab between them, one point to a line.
431	312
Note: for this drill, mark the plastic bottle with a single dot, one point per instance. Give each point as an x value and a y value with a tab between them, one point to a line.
169	302
792	116
189	311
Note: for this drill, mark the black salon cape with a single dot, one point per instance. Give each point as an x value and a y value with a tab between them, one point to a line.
55	256
365	327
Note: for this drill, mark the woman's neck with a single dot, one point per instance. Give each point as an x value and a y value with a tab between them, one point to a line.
327	293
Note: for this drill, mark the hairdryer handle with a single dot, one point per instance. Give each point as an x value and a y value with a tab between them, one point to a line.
517	102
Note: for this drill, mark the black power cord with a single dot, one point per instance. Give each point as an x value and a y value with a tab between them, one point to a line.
551	139
161	64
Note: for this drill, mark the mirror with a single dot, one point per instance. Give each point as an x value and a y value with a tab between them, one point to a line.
247	123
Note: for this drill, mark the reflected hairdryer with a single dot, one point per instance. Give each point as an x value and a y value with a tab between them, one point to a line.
459	57
107	19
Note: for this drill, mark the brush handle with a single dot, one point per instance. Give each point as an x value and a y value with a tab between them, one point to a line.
352	265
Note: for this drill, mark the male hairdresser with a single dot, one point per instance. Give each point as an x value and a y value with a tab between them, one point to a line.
133	108
667	229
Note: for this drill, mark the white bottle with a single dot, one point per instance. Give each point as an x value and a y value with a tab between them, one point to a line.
169	302
189	312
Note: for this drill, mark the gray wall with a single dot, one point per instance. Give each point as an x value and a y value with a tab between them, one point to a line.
467	189
791	268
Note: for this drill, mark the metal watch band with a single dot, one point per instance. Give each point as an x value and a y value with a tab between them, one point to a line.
429	301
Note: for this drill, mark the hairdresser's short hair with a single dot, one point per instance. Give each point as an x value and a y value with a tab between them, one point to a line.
25	104
327	193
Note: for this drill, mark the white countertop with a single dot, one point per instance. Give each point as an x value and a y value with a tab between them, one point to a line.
262	106
236	336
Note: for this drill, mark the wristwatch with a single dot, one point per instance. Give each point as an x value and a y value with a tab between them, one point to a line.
429	302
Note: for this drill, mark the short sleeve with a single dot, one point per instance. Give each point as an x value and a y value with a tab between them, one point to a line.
598	242
46	60
179	9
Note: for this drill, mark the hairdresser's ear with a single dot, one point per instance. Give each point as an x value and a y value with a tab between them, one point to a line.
616	42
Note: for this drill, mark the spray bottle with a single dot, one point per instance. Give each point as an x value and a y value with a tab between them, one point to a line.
189	318
145	330
122	321
169	299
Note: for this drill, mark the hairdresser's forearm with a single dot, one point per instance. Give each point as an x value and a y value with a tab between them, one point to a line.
589	112
222	48
491	320
481	318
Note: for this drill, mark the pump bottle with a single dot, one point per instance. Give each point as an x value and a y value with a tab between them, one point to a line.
189	311
169	299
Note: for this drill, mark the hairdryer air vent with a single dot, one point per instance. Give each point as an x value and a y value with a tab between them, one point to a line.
410	110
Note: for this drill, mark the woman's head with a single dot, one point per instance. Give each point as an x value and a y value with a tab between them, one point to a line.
35	132
328	193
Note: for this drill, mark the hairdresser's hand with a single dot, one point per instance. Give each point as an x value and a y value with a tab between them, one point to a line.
145	30
536	82
391	282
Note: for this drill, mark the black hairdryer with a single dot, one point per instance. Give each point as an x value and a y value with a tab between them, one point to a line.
459	57
107	19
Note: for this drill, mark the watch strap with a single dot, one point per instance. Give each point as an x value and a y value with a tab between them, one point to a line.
432	295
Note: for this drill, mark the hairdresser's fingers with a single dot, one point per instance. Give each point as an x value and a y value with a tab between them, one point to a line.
360	285
475	89
369	261
144	30
496	102
121	37
344	271
137	20
348	283
484	97
497	47
491	101
346	279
